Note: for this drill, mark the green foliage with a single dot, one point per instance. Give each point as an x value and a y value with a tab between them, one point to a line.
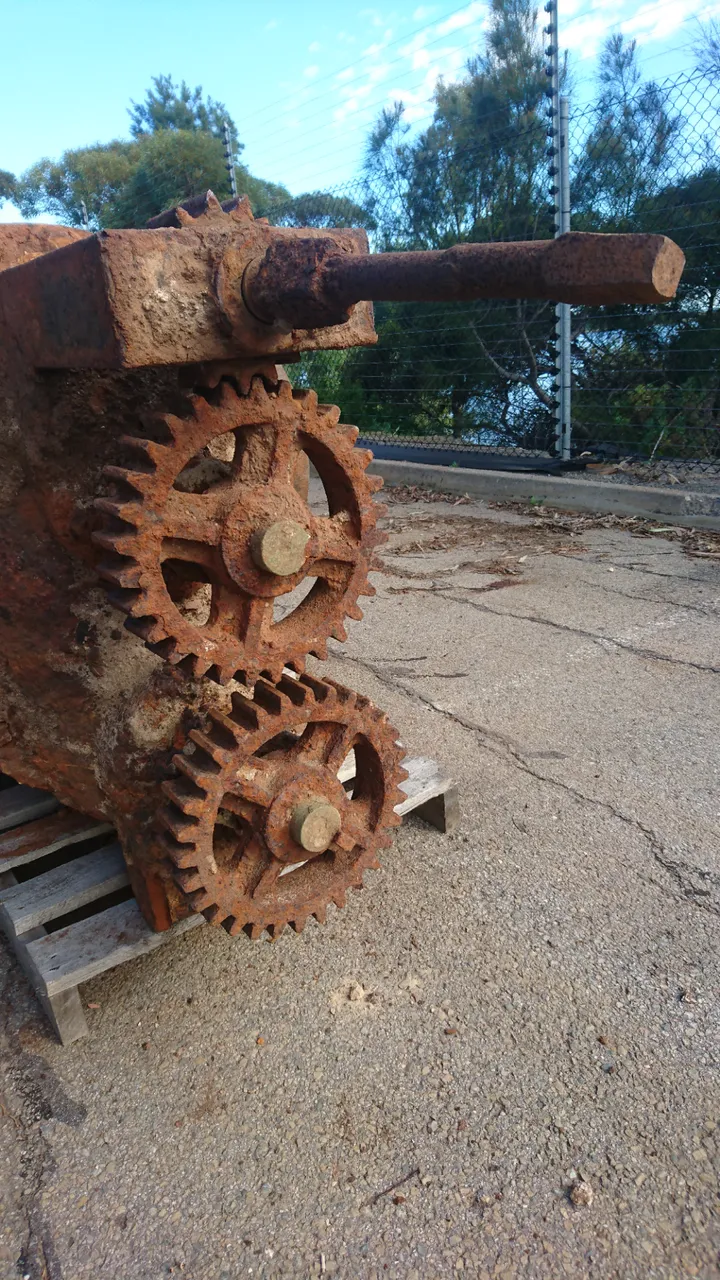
477	173
8	186
171	165
176	152
168	106
94	176
320	209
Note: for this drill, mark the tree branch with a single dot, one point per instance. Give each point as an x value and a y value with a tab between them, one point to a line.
521	378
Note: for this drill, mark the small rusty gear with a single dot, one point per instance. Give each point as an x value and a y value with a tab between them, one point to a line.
260	830
206	531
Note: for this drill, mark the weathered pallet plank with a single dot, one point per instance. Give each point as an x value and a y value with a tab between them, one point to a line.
57	962
63	889
35	839
83	950
63	1011
22	804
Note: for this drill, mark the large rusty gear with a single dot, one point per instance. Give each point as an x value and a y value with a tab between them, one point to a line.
214	503
259	829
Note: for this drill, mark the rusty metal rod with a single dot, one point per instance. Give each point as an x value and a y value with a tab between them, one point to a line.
577	267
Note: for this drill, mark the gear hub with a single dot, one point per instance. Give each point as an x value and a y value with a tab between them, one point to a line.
206	533
260	830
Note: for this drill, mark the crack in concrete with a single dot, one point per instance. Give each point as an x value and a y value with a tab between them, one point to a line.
678	869
588	635
708	612
654	573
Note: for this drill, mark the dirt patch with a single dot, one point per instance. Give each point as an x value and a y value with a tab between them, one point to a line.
699	543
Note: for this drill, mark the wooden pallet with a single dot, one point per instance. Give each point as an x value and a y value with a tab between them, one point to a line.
62	918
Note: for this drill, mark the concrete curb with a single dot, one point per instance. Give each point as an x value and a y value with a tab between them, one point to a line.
676	506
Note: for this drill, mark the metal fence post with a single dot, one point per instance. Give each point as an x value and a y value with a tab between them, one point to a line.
559	157
229	161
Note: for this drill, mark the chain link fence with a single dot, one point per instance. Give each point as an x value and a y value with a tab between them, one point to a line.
477	381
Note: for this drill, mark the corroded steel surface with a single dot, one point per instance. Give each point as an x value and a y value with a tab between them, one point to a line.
229	816
144	362
134	299
21	242
306	282
190	508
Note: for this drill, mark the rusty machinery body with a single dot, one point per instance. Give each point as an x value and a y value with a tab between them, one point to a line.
153	457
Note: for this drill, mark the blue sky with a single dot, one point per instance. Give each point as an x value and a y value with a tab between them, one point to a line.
304	79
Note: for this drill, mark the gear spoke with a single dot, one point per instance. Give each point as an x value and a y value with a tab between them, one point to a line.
293	808
223	609
254	617
195	517
263	457
222	531
334	541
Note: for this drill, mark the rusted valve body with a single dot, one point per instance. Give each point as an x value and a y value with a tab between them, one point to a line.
170	336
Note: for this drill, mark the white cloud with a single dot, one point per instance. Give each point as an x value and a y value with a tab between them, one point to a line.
473	13
311	72
423	12
315	47
271	25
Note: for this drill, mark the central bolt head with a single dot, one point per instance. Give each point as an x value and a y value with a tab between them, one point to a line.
280	547
315	824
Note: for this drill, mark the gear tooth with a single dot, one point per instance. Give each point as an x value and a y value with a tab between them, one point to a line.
374	864
121	544
276	930
189	767
149	450
218	754
255	931
339	898
125	601
225	732
330	413
364	457
307	399
176	823
375	483
121	475
245	714
351	434
321	690
269	697
200	900
126	576
182	858
294	690
339	632
189	881
320	651
176	428
320	914
187	795
354	611
212	914
285	391
368	590
167	650
147	628
228	397
298	924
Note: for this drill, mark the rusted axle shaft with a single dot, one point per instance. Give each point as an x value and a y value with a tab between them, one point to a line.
307	283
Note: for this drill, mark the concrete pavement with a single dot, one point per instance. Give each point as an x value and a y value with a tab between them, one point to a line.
539	995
